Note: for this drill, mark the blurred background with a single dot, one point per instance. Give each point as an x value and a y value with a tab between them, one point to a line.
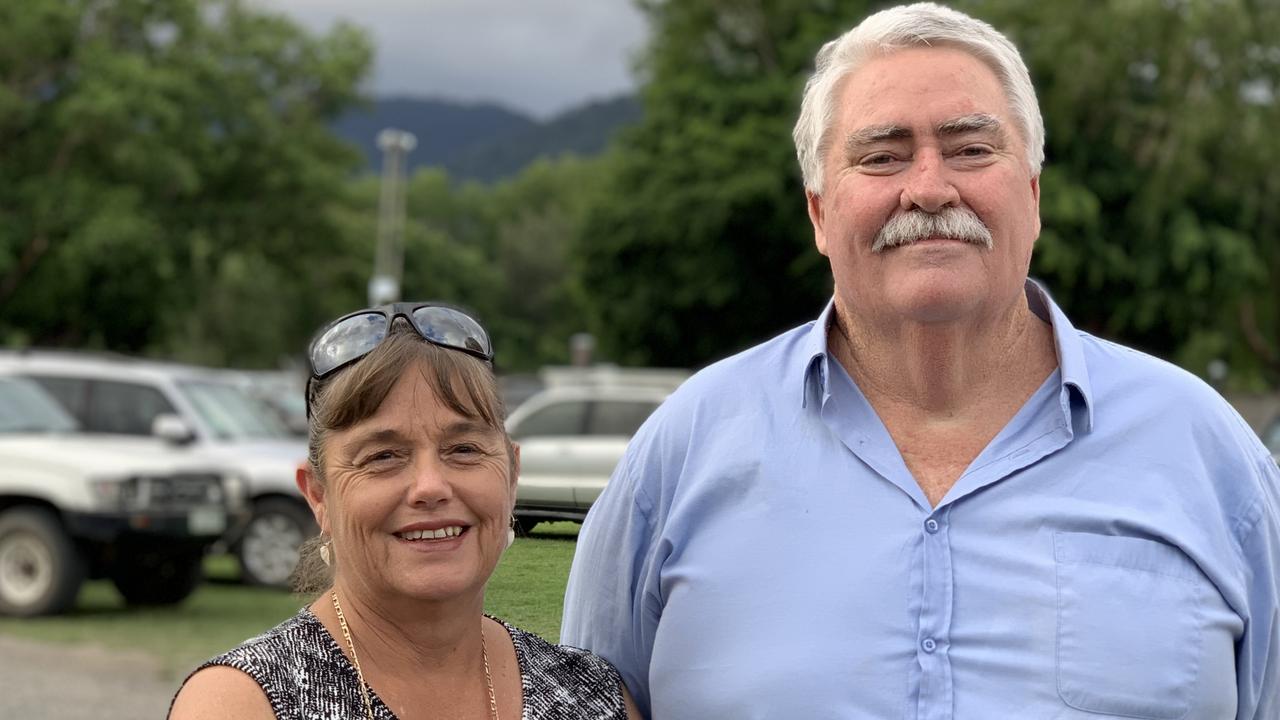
199	180
195	186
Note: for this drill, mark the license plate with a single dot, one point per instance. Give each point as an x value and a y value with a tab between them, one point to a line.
207	521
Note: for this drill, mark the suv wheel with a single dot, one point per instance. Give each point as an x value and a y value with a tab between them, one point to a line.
268	550
40	568
158	577
525	524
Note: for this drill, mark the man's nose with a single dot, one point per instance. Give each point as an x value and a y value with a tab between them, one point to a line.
928	184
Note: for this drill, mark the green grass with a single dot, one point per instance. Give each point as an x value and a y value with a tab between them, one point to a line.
526	590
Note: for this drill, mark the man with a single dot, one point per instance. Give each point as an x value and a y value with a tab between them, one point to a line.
939	500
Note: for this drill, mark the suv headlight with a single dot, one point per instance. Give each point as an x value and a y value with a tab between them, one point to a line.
114	494
236	490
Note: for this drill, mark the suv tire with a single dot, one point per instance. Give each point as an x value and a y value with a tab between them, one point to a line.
158	577
40	568
268	549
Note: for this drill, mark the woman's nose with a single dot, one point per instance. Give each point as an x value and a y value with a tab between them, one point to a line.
430	484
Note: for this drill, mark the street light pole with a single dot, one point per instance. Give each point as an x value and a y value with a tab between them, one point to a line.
388	262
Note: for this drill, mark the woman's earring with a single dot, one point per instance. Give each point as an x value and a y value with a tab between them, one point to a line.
511	532
324	552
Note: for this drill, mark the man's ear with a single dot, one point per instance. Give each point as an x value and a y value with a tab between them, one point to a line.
814	203
313	491
1035	198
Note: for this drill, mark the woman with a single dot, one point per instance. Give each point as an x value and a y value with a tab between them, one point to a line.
412	480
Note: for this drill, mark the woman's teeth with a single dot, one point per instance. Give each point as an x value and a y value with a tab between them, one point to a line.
446	532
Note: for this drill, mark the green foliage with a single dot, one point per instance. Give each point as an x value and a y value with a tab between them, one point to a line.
503	252
701	244
171	185
167	168
1160	225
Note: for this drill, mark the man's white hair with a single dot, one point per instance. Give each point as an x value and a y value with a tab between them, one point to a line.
910	26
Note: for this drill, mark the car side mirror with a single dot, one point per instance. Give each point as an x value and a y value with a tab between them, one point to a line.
172	429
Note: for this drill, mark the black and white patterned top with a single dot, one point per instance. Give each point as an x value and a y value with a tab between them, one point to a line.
306	676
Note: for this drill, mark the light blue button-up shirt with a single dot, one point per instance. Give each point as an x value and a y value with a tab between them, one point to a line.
762	551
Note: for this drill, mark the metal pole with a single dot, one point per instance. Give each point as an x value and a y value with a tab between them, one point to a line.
388	263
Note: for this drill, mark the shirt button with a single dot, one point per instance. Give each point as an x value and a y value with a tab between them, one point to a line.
929	645
931	526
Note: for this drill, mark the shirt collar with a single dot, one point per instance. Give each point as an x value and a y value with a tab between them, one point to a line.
814	354
1073	373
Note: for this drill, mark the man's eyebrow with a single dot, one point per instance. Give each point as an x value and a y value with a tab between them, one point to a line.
977	122
873	134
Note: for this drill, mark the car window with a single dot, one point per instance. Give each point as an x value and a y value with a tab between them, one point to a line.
26	407
124	408
71	393
562	418
619	417
231	412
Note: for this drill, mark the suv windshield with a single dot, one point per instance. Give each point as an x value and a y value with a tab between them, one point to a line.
25	408
231	413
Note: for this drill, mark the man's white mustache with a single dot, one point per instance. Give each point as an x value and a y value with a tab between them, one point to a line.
911	226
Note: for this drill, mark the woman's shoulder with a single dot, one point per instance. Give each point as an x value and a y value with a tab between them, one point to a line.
566	682
299	638
220	691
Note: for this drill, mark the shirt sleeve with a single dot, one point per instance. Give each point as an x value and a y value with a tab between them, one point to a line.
611	605
1258	651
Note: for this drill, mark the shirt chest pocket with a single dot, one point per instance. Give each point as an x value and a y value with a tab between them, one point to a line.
1131	621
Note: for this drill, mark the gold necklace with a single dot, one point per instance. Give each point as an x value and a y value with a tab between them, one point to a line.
364	690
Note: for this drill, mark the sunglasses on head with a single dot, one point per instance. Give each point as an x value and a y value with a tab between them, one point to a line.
349	338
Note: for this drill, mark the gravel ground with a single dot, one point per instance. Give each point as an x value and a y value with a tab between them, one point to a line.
72	682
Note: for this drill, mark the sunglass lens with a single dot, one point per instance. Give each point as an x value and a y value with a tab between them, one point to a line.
446	326
347	340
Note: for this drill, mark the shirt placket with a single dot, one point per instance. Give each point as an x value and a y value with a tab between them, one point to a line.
933	638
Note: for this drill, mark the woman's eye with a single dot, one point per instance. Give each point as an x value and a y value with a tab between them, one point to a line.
379	457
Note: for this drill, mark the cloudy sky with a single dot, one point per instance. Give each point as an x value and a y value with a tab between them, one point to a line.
538	56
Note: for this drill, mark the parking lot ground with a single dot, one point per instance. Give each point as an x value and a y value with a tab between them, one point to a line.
59	681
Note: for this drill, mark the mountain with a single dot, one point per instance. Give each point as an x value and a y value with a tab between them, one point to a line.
441	126
484	141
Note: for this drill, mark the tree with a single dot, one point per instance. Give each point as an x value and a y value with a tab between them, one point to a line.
167	170
701	244
539	213
1161	225
502	252
1157	231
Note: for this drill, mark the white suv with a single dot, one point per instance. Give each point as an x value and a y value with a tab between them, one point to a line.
74	506
573	433
199	409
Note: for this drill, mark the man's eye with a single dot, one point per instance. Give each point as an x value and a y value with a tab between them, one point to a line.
878	159
975	151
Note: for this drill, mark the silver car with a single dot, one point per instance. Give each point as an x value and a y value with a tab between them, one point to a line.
571	437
